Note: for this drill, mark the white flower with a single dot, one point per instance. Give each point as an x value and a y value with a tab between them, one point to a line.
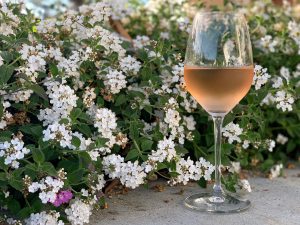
294	32
96	12
281	139
95	153
284	72
232	132
235	167
260	77
284	101
106	122
189	122
13	151
1	60
270	144
130	64
277	82
141	41
268	100
19	96
48	187
268	44
130	174
63	100
44	218
121	8
115	81
89	96
165	151
172	118
245	185
60	133
79	212
275	171
246	144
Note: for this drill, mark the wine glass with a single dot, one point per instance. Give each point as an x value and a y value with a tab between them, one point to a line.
218	73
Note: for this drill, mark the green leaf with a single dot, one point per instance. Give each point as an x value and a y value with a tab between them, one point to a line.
3	177
49	169
146	144
76	141
133	130
132	154
202	182
39	91
161	166
16	184
14	206
24	213
5	73
75	113
76	176
53	69
35	130
181	150
1	107
120	100
38	155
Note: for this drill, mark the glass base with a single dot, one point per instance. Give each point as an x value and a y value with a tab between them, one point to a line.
206	202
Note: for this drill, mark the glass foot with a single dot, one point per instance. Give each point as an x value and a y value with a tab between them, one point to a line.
206	202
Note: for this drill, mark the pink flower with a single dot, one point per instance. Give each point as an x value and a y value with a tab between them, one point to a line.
62	197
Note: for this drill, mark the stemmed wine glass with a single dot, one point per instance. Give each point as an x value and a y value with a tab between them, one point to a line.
218	73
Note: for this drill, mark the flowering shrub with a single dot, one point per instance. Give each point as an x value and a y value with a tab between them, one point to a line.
81	106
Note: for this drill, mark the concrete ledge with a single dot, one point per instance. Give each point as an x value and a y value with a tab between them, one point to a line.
273	202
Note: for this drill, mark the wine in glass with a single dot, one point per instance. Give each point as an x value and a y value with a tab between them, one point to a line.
218	73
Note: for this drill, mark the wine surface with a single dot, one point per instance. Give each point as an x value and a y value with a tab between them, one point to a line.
218	90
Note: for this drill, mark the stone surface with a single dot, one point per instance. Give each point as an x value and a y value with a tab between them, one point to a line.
273	202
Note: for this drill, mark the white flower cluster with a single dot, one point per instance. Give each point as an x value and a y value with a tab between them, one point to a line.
188	170
232	132
8	26
6	115
12	151
261	76
60	133
267	43
88	97
114	81
294	33
172	119
79	212
48	187
95	153
44	218
70	65
121	8
110	41
141	42
18	96
63	100
34	56
281	139
284	101
96	12
165	152
270	144
106	122
245	185
235	167
275	171
129	64
130	174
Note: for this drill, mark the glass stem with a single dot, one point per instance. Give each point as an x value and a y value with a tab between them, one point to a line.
218	121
